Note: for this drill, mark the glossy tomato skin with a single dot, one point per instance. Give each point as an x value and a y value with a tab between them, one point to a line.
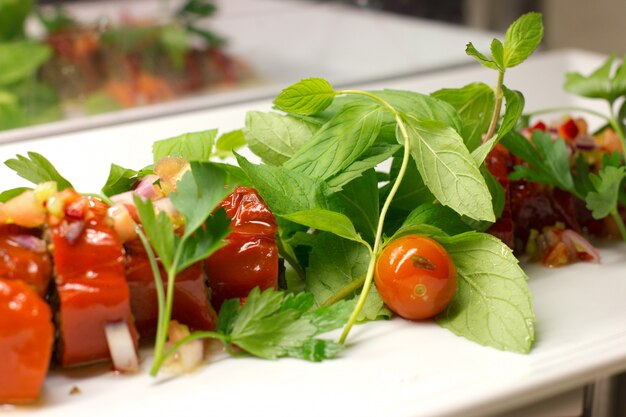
250	257
26	337
90	282
416	277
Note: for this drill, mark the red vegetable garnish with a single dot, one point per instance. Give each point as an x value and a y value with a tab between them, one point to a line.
568	130
90	282
250	258
26	336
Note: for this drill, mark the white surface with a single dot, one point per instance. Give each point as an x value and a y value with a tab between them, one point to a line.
286	40
389	368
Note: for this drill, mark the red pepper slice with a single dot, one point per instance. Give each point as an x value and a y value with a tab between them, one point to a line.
569	130
24	256
191	306
90	281
250	257
26	338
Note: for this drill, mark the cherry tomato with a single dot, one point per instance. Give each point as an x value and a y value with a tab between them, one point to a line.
415	277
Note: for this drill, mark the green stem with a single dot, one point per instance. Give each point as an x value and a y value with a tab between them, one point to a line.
165	314
498	106
617	126
345	291
620	223
194	336
369	276
569	109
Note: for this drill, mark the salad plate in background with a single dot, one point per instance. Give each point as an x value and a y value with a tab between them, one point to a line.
389	368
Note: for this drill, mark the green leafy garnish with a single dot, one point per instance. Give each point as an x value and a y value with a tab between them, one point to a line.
607	183
308	96
195	146
229	142
37	169
604	82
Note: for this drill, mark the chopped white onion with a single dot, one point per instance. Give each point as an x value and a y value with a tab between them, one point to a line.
165	205
121	346
188	356
124	198
145	188
580	245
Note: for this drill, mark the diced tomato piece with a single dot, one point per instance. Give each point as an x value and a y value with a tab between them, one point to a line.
24	256
250	257
191	306
90	281
539	126
26	338
568	130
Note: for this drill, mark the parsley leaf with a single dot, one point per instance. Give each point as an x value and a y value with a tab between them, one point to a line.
607	183
120	180
37	169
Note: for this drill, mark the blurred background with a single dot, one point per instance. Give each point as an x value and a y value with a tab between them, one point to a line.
118	60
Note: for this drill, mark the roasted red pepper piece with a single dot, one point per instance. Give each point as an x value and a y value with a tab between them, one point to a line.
24	256
250	257
26	338
191	306
569	130
90	282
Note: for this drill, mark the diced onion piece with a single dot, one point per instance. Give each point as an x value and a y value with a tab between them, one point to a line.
121	347
165	205
189	355
30	242
145	188
122	222
582	247
124	198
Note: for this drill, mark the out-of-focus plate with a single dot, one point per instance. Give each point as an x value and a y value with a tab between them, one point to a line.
394	368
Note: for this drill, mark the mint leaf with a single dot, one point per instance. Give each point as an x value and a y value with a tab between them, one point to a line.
20	60
599	84
37	169
471	50
514	109
497	53
159	229
447	168
200	190
307	96
371	158
325	220
360	202
412	191
522	38
607	184
474	103
194	146
493	304
548	159
334	263
120	180
438	216
275	137
338	143
287	191
229	142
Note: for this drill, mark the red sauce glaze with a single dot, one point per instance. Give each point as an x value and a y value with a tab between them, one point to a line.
19	261
26	337
250	257
90	281
191	306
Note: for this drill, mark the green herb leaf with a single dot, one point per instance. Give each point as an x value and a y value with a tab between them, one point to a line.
607	185
199	8
13	15
195	146
474	103
334	263
326	220
315	350
548	158
522	38
159	229
275	137
175	41
438	216
205	240
199	192
412	192
287	191
601	83
448	170
228	142
37	169
471	50
20	60
359	201
228	313
371	158
497	53
120	180
338	143
307	96
331	317
492	305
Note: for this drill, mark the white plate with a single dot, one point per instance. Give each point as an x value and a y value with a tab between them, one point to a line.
389	368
